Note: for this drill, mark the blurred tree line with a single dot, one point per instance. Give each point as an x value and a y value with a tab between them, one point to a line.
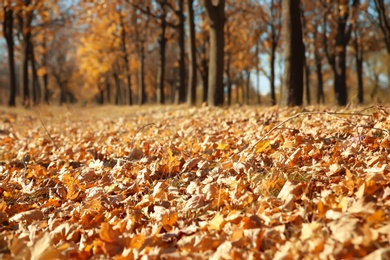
222	52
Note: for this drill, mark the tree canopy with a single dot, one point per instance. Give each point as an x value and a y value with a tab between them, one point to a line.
176	51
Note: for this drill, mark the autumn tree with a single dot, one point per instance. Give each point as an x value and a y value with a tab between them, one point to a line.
62	64
191	91
8	28
271	15
337	33
312	19
306	63
167	15
124	48
100	51
180	94
294	51
382	21
216	16
140	31
242	32
358	47
202	40
25	17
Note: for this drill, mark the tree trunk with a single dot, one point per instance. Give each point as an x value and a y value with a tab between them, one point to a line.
228	81
181	92
305	62
25	78
247	87
384	22
340	71
141	75
216	14
46	88
191	94
8	34
25	25
359	66
272	76
126	59
274	43
384	25
161	63
294	52
205	79
101	96
45	77
61	86
258	75
307	79
108	92
229	87
117	88
320	81
36	88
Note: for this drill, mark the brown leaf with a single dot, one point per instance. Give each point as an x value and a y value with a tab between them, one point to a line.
28	216
107	234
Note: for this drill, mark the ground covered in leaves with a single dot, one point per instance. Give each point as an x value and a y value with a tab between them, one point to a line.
178	182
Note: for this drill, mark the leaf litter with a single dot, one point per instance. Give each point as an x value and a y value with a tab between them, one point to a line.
177	182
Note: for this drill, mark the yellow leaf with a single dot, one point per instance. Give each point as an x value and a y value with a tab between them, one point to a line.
7	194
222	146
262	146
171	158
217	222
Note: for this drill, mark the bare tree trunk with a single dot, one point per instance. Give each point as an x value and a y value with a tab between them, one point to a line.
340	63
305	63
275	17
272	76
181	90
161	63
107	90
117	88
294	52
36	88
205	79
247	87
307	79
359	65
191	94
25	78
141	76
61	86
258	75
228	82
337	59
25	20
216	13
126	59
384	22
320	82
8	33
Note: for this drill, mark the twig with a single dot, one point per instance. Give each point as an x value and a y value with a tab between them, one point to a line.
136	132
305	113
47	132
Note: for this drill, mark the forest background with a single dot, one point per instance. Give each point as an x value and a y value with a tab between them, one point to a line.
137	52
